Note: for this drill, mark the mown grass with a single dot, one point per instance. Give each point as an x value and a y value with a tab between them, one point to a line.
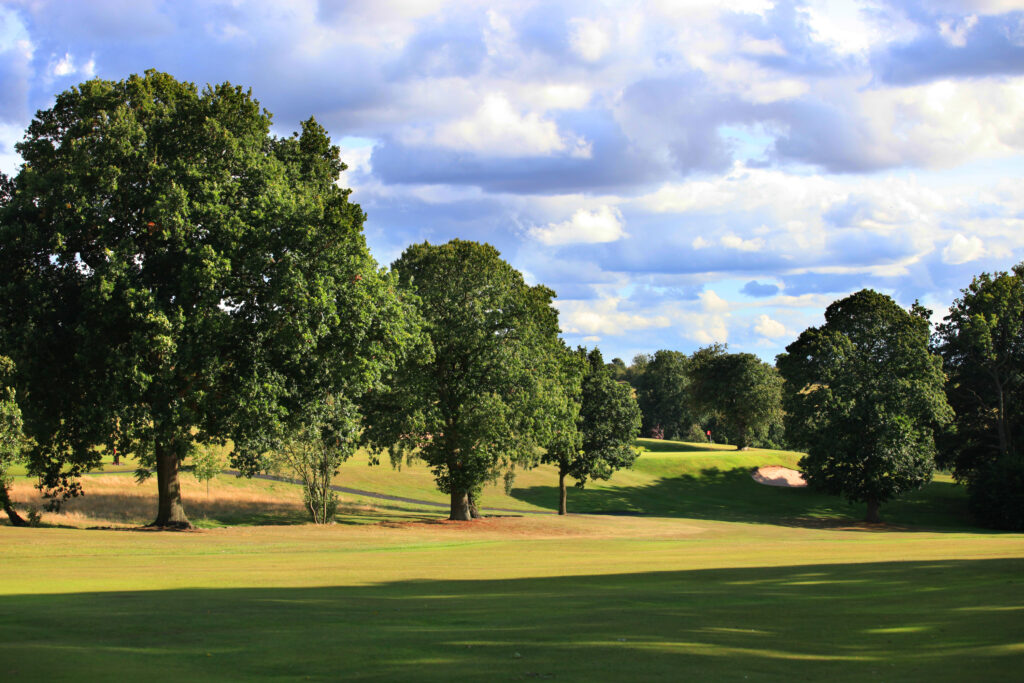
710	577
581	598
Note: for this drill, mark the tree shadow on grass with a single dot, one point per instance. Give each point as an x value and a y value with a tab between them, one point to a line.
733	496
935	621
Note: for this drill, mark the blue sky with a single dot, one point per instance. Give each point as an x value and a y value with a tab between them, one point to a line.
680	174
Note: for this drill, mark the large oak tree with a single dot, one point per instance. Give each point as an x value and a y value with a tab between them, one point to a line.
863	395
175	273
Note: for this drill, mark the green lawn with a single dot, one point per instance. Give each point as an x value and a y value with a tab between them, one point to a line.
710	577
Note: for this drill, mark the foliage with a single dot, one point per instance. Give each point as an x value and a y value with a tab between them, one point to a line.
12	439
982	344
743	391
206	465
169	266
661	383
863	394
472	404
315	451
608	422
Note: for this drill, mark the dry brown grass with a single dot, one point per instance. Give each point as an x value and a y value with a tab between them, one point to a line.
117	500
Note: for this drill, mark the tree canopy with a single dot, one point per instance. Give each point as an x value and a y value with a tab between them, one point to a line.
174	273
744	392
863	395
472	403
982	344
661	383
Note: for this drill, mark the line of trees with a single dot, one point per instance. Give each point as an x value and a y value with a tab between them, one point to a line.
176	275
711	394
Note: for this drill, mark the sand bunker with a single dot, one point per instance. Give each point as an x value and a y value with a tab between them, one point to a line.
776	475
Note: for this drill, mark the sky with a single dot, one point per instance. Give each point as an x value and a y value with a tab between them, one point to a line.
680	174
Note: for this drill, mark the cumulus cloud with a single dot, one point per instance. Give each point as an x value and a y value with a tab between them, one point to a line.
603	317
497	129
819	146
767	327
601	225
962	249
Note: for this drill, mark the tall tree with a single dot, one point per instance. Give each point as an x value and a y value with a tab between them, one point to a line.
982	343
173	273
863	395
472	406
608	423
743	391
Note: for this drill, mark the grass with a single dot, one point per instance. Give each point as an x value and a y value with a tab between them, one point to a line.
712	577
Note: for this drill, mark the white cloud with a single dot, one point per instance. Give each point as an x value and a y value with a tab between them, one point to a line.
767	327
732	241
713	303
498	129
955	32
603	317
589	39
585	227
64	67
962	249
700	243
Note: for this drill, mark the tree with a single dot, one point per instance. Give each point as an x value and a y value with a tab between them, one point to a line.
315	452
743	391
608	422
206	465
661	383
173	273
472	404
982	344
863	395
12	440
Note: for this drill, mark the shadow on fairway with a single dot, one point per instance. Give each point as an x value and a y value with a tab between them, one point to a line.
732	495
943	620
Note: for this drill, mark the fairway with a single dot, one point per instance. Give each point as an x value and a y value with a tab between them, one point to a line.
710	576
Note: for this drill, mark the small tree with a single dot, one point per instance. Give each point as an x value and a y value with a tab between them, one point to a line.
743	391
12	440
608	423
206	465
863	395
315	451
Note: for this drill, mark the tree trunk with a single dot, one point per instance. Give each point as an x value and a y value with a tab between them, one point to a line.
873	517
12	514
460	507
474	511
561	493
171	513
